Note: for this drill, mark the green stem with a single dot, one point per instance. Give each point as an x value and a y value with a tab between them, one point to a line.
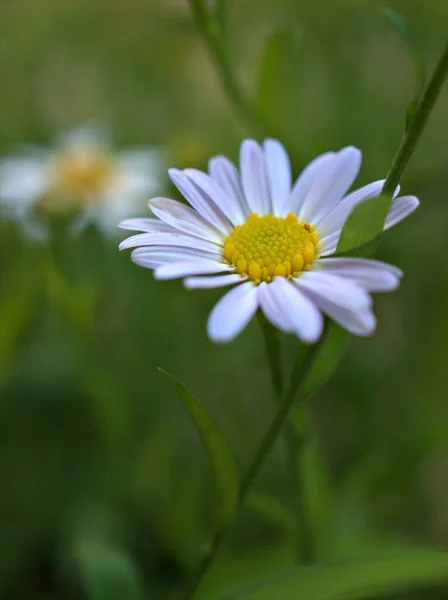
301	371
273	353
417	124
293	444
210	30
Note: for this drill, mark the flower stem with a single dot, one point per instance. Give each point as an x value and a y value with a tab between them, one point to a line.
417	124
300	373
303	538
211	31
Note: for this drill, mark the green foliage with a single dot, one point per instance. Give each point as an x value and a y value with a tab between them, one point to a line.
336	344
218	452
107	571
275	51
351	580
79	417
20	303
364	224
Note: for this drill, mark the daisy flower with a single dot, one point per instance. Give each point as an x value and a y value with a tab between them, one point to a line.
82	177
270	239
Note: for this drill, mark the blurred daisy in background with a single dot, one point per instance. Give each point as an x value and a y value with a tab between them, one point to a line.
81	180
270	238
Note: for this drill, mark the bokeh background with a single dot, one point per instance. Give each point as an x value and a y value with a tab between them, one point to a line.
98	461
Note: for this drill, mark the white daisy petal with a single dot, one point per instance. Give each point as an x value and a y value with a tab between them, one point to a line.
184	218
289	309
216	281
204	206
184	269
306	179
23	181
360	323
148	225
160	255
373	275
331	185
254	178
340	290
233	312
344	301
169	239
228	204
329	244
279	175
401	208
226	175
272	309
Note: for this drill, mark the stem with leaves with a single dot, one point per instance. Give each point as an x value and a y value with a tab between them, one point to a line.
303	537
417	124
209	29
302	368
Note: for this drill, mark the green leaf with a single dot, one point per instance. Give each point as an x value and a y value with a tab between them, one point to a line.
20	302
275	49
390	572
272	510
364	223
107	572
408	35
218	452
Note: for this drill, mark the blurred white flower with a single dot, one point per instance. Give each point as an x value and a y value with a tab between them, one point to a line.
270	237
82	177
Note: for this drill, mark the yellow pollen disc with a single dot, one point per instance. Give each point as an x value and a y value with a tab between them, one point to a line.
77	176
268	247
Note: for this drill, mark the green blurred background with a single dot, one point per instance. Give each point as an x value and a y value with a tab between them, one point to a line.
97	459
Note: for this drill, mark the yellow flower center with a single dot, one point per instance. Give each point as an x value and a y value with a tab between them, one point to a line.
81	173
77	176
265	247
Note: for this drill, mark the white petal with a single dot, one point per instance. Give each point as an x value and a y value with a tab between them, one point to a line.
230	206
204	205
290	310
156	256
337	289
344	301
169	239
373	275
148	225
184	269
215	281
24	180
307	177
145	161
279	175
226	175
233	312
331	185
337	217
184	218
328	245
141	171
254	178
401	208
272	309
